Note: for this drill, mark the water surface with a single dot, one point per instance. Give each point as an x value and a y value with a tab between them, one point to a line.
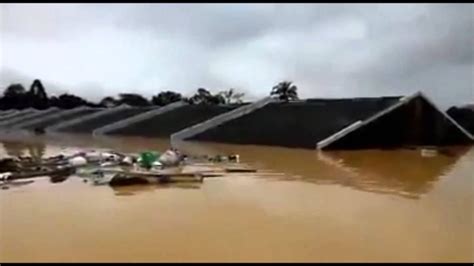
334	206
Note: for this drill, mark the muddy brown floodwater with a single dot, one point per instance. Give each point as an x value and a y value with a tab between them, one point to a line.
334	206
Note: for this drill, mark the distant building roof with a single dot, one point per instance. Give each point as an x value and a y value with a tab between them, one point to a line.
469	106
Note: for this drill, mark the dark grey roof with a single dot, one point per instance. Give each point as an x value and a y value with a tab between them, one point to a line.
469	106
49	121
350	100
414	120
297	124
91	124
165	124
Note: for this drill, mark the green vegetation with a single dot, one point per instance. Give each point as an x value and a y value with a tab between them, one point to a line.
16	96
285	91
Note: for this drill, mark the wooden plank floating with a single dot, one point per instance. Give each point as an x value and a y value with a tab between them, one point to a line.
240	170
175	174
41	173
120	180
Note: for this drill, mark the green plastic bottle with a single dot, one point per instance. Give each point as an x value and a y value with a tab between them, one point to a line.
148	158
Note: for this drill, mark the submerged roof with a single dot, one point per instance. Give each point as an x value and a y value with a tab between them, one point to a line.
296	123
361	123
345	100
332	115
346	122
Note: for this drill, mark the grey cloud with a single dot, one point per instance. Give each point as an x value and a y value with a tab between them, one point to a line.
45	21
91	90
9	76
328	50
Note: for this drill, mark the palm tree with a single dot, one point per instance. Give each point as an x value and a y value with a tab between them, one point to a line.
231	96
285	91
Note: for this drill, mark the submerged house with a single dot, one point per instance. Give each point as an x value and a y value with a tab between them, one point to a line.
413	121
355	123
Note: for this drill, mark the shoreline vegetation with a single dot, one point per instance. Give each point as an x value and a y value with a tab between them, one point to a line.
16	96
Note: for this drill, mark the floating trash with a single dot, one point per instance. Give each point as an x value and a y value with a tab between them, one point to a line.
116	169
147	159
77	161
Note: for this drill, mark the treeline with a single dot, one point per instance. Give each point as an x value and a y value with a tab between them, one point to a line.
16	96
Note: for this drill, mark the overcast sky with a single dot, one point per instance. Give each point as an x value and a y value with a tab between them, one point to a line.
327	50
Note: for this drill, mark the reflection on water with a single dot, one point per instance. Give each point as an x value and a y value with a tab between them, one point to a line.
18	148
302	205
17	183
136	189
403	172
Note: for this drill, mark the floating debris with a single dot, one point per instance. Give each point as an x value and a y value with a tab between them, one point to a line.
429	152
121	180
77	161
240	170
117	169
170	158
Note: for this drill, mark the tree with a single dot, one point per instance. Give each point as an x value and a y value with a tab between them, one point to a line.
14	90
108	102
216	99
53	101
14	96
38	90
203	96
166	97
133	99
37	97
230	96
285	91
68	101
